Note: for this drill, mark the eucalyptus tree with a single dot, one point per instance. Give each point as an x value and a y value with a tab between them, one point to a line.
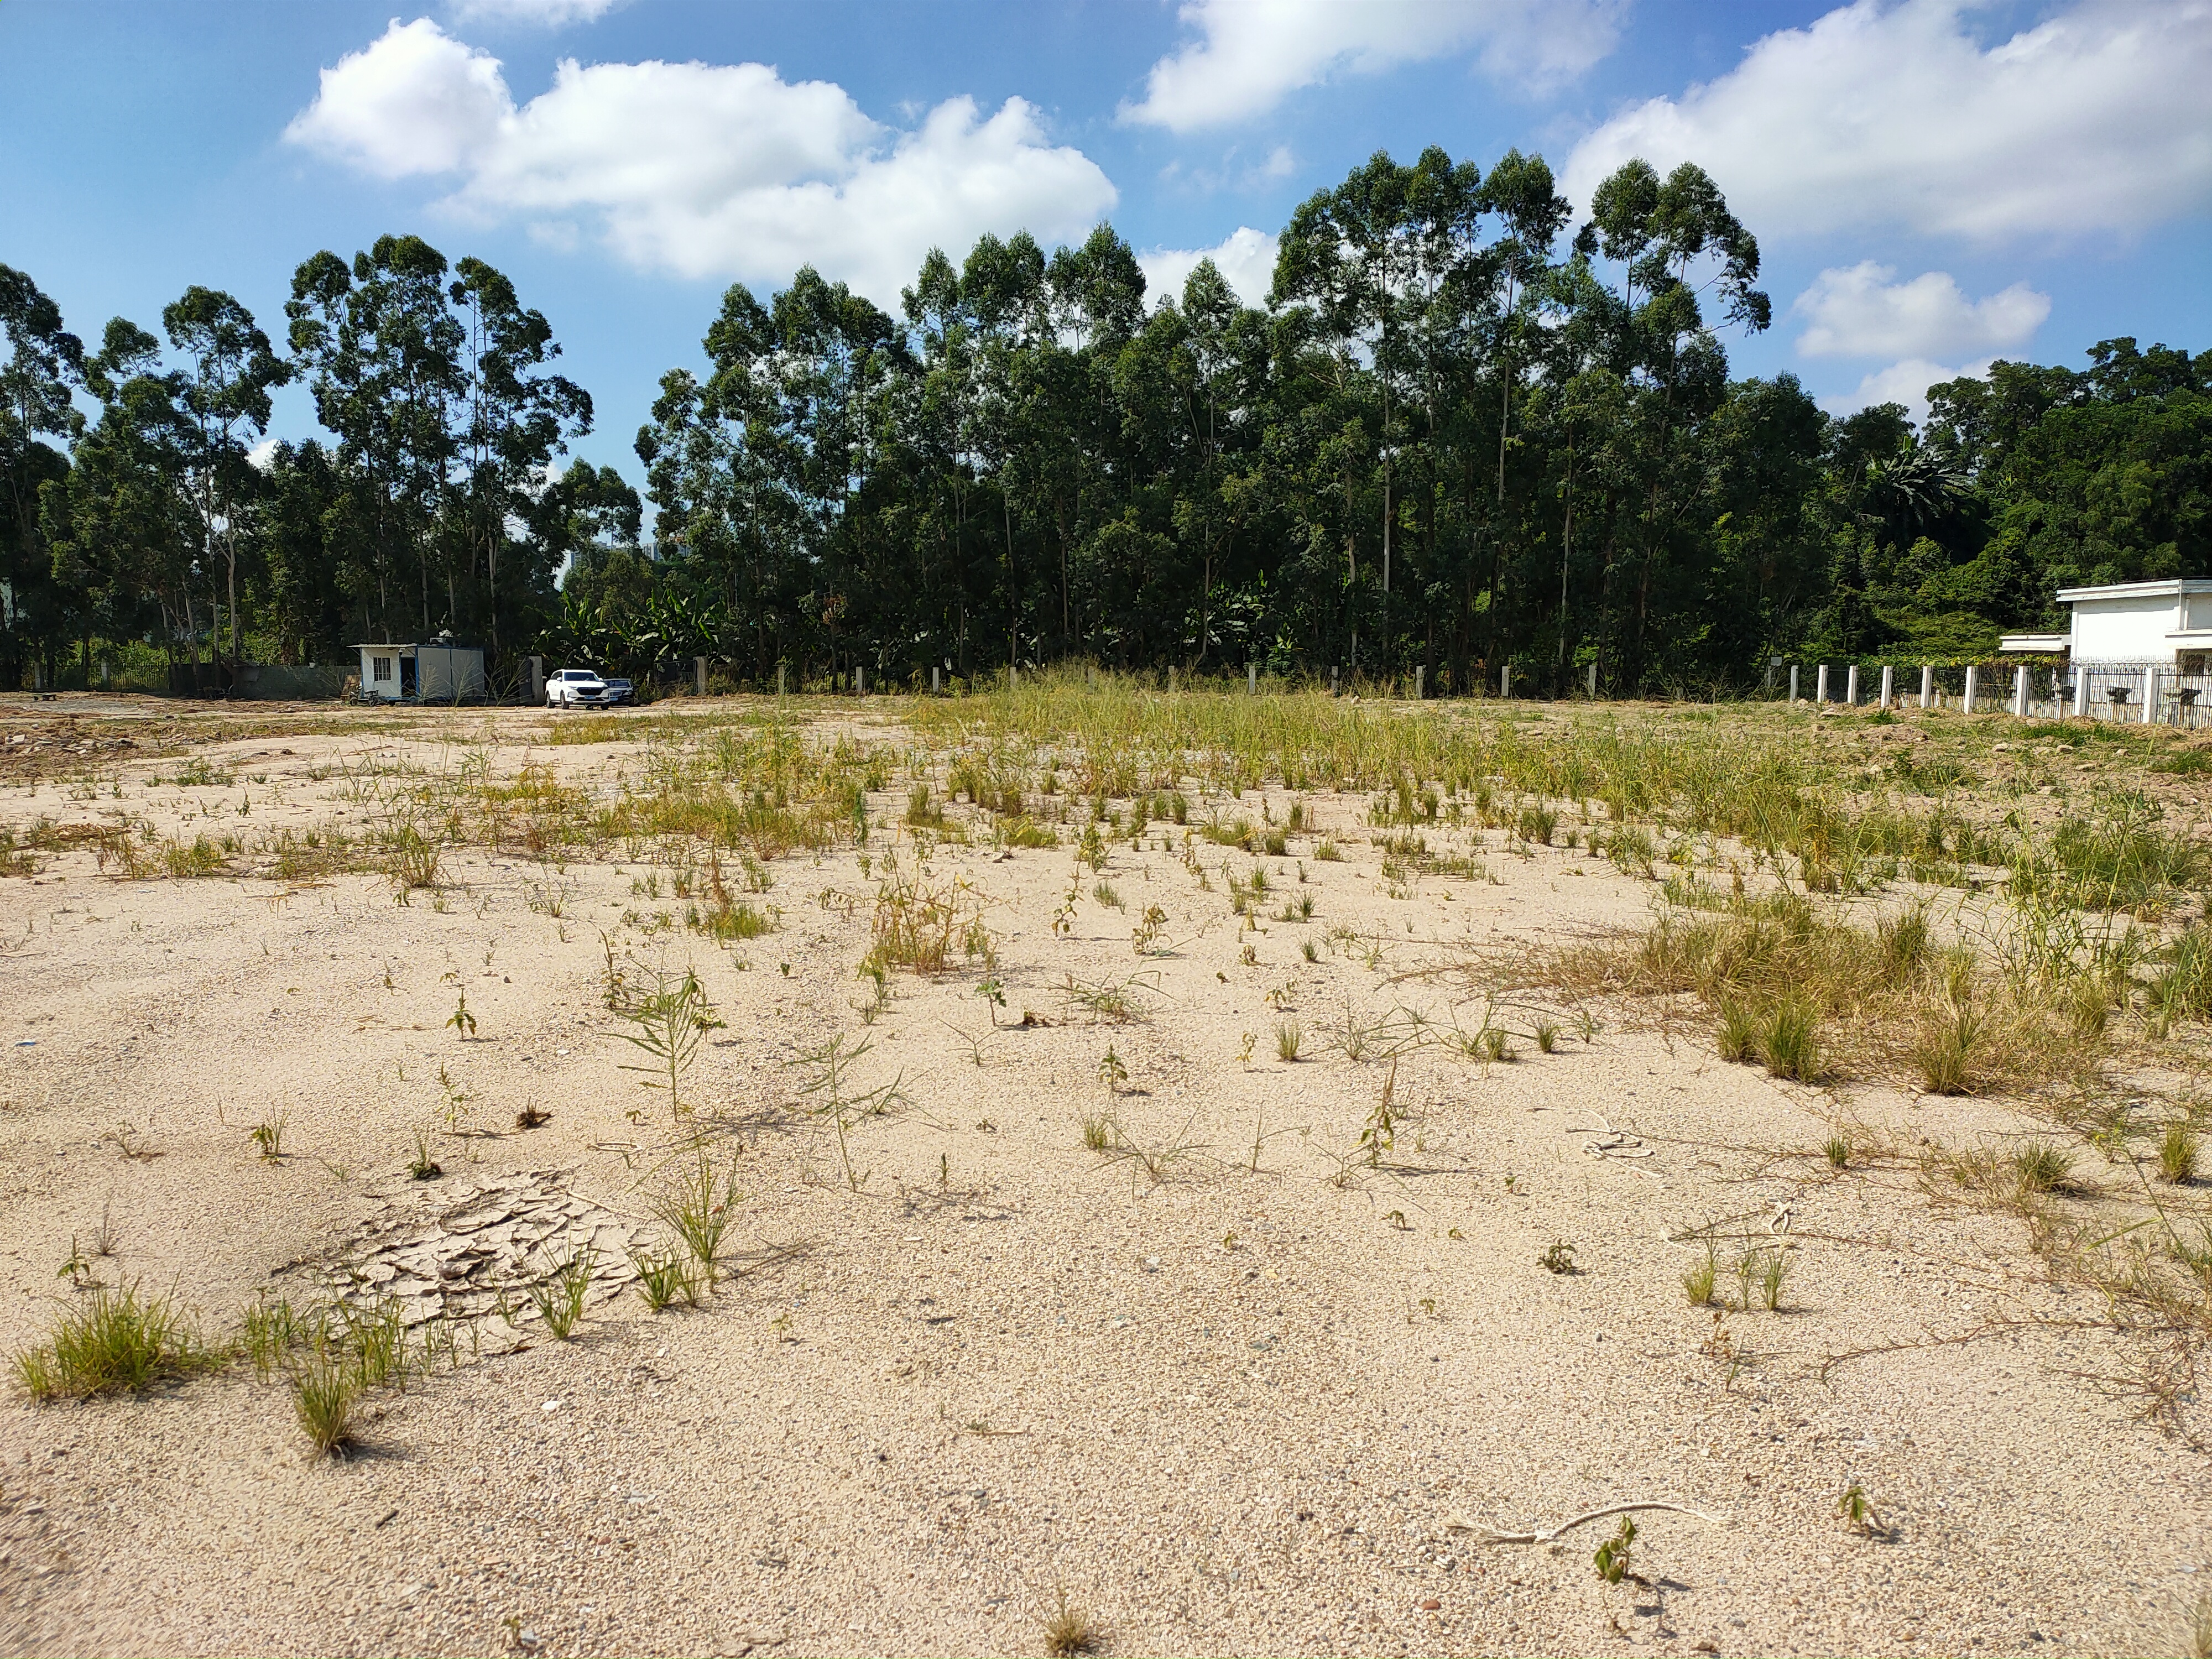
381	351
1677	246
513	417
222	393
1386	262
121	525
43	361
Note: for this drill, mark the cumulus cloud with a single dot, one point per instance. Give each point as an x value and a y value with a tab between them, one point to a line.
1895	114
1859	312
417	100
1250	54
706	170
1245	258
545	14
1906	383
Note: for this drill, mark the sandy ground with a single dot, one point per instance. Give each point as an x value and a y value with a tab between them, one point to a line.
1265	1397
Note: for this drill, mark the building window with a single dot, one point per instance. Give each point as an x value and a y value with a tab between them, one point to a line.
381	669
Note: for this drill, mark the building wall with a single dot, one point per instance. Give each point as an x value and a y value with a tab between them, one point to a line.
2126	629
449	672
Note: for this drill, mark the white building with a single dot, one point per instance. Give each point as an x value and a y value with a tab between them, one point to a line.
438	672
2163	624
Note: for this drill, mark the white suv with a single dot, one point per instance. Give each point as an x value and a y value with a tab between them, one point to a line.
576	688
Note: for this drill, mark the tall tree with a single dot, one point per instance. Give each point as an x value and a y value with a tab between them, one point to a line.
223	390
44	360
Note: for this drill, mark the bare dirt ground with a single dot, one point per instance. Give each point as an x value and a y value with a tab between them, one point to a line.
1236	1382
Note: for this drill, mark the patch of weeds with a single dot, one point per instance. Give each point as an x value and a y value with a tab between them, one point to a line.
2177	1154
1950	1047
1327	853
1837	1151
698	1210
559	1298
112	1341
2042	1166
1738	1039
1859	1511
1772	1270
664	1279
671	1021
1700	1283
1289	1036
1380	1132
1067	1628
1098	1132
1790	1041
423	1166
268	1138
1611	1558
1558	1257
325	1392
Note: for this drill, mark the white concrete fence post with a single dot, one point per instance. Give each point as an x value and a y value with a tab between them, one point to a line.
935	685
1505	679
1334	670
2150	695
1251	679
537	679
1972	676
1420	683
779	679
699	675
1792	685
1888	683
2080	690
1593	682
1851	686
1927	686
1820	684
2020	692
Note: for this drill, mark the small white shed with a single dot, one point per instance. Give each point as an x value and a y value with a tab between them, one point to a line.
2165	623
436	672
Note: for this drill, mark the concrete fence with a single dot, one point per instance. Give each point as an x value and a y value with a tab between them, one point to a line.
2135	693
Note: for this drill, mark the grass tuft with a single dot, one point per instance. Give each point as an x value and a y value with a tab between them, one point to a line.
323	1393
1067	1629
2177	1154
113	1342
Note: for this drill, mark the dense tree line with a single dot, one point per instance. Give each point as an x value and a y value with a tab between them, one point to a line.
1454	437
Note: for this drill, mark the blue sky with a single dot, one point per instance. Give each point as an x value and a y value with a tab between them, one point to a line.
1933	184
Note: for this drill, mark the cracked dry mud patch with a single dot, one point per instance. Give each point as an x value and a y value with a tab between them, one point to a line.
1230	1382
470	1255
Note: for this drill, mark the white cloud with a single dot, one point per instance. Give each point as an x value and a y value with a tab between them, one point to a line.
1255	53
1906	383
1882	114
1859	312
417	101
1246	259
545	14
724	170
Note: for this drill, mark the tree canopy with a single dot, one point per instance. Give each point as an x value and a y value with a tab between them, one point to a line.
1453	437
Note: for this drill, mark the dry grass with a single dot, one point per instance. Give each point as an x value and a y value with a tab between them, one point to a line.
1815	997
